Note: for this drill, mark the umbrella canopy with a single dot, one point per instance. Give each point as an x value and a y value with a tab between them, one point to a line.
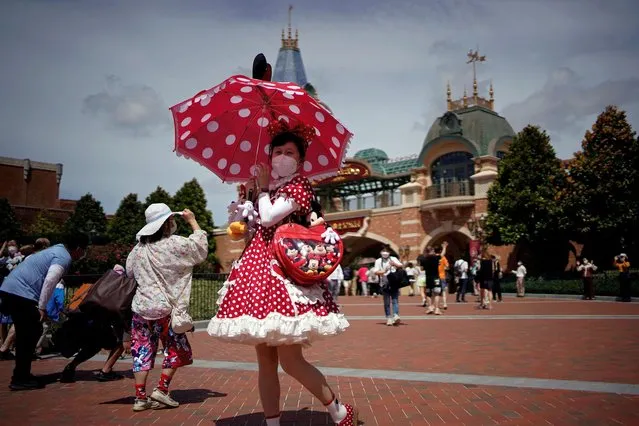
225	128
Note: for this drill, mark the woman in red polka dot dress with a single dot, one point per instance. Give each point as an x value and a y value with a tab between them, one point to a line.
260	306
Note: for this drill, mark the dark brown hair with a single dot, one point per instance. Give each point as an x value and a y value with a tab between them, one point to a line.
41	244
159	234
27	250
285	137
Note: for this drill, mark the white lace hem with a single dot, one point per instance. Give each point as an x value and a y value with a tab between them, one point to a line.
277	329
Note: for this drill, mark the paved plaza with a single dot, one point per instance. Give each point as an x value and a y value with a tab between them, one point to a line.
528	361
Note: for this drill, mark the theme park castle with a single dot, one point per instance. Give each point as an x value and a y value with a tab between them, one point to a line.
409	203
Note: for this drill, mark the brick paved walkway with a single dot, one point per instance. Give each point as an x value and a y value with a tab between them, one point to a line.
389	371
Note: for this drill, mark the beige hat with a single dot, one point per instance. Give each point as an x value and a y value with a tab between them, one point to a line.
156	214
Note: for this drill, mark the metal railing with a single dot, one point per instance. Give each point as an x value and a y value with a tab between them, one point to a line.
450	189
204	291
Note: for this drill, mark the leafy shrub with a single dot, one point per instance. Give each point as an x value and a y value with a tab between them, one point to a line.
606	284
99	259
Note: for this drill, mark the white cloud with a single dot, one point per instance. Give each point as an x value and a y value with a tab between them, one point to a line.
137	109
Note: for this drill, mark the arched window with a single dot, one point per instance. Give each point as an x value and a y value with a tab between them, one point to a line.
501	154
453	167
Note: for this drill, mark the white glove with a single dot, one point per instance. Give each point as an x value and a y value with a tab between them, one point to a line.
330	236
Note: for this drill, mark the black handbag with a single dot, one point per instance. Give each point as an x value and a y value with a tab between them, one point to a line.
398	279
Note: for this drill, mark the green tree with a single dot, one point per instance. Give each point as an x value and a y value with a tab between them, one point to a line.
9	225
44	226
603	197
191	196
524	203
159	196
127	221
88	217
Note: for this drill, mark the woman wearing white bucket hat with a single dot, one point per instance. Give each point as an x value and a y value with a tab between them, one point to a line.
162	264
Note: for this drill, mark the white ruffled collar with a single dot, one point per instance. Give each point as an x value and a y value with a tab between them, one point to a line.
278	183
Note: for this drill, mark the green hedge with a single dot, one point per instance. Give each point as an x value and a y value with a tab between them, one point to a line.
606	284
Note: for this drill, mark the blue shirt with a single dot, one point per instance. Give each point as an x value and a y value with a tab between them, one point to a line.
26	280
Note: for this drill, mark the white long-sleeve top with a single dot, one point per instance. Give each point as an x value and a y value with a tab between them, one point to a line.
54	275
587	269
164	269
521	271
387	265
272	213
462	266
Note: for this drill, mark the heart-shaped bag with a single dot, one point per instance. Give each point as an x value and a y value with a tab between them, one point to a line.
304	256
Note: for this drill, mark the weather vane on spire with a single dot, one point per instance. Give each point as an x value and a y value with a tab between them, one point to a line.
473	58
290	11
475	100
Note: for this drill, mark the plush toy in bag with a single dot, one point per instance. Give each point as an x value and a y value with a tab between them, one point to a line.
307	255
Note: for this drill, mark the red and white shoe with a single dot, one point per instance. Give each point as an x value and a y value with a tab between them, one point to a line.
351	418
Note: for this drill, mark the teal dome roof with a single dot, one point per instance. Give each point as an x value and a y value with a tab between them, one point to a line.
478	125
372	155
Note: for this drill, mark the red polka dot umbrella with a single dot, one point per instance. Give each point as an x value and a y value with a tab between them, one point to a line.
225	128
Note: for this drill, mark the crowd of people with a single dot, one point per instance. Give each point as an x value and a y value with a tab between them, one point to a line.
12	256
431	277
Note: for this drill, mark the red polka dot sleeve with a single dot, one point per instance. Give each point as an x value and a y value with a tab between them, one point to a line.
300	190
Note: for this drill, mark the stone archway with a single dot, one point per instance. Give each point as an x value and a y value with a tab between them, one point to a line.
370	245
447	228
457	245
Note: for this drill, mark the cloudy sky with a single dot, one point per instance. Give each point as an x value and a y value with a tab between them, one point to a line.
88	83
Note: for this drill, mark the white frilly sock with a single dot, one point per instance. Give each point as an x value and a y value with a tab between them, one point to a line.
336	410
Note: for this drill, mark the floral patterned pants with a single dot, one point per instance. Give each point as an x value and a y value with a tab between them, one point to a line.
145	336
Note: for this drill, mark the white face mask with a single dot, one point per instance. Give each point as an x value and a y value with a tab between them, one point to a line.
385	254
284	166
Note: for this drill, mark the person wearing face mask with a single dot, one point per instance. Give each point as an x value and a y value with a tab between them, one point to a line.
162	264
384	266
587	269
261	306
15	257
